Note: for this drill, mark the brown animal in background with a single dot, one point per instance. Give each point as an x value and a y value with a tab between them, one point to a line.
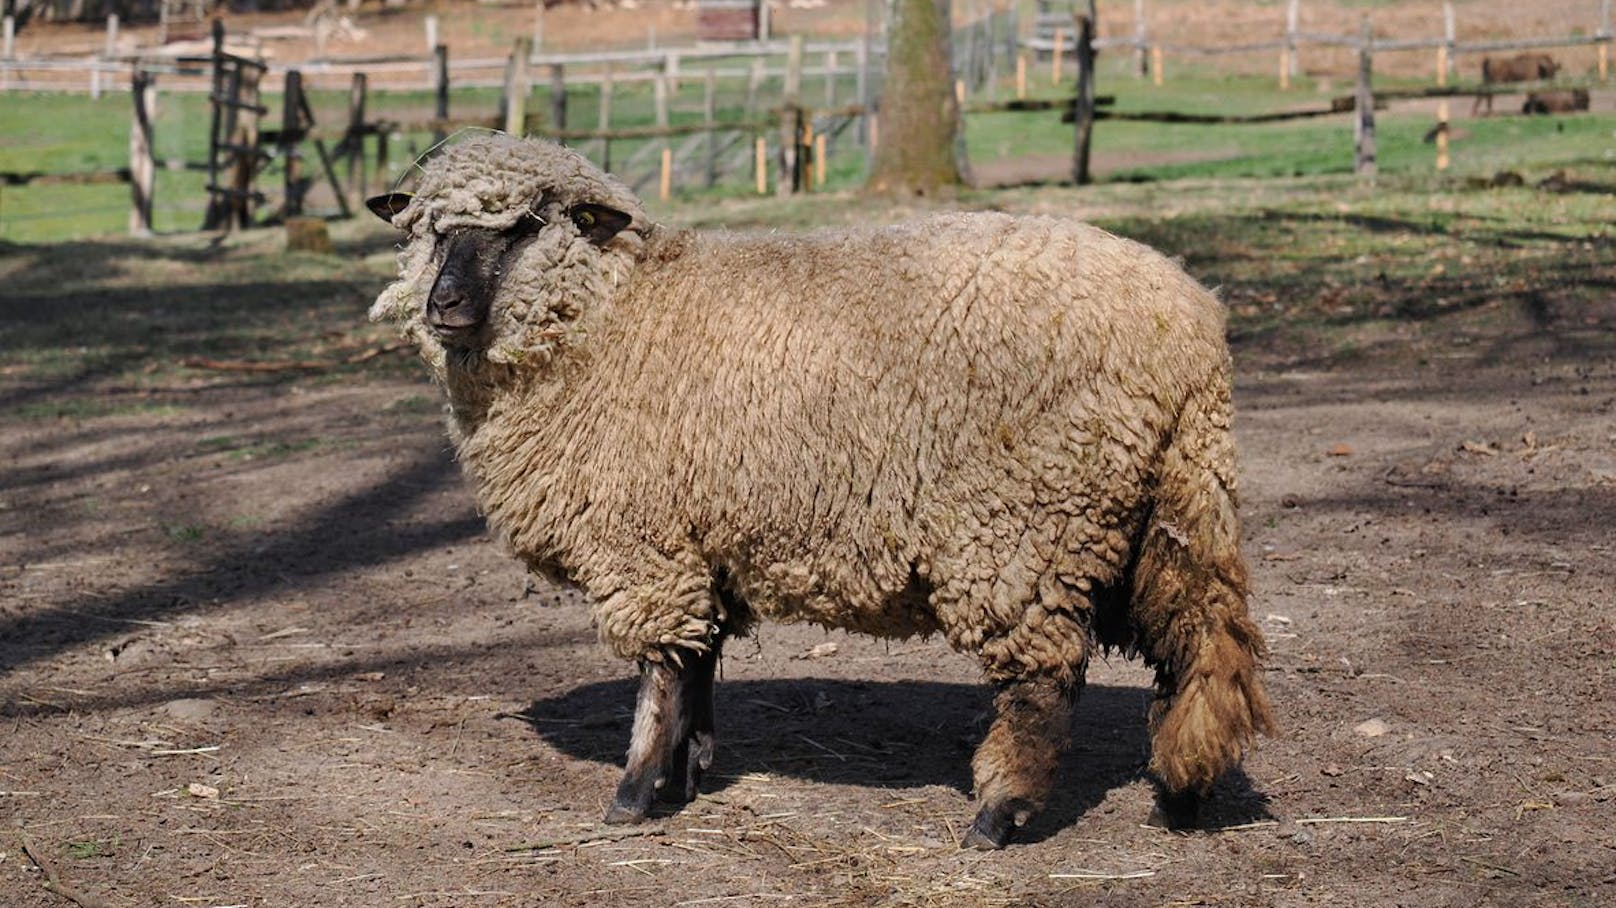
1519	68
1553	102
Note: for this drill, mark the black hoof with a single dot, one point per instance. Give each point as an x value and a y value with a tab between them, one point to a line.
1176	810
623	815
633	801
995	824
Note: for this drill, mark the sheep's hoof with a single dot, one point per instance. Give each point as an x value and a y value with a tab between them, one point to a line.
995	823
1177	811
633	801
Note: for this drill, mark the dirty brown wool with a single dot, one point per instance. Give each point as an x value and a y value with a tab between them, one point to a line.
1010	431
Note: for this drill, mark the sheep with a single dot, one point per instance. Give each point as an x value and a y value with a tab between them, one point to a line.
1012	431
1519	68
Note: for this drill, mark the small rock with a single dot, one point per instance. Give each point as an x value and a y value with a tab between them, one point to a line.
822	651
1332	770
1373	728
190	708
198	790
1341	449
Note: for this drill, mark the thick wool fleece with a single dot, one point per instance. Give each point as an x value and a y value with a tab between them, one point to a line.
971	423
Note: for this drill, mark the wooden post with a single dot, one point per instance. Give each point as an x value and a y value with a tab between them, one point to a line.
430	23
291	134
8	37
819	159
1021	76
709	119
1363	162
1449	41
1442	135
830	78
538	26
603	114
558	97
142	166
959	92
112	37
670	65
1156	73
754	84
761	165
356	141
440	109
1141	41
665	185
661	86
1604	62
1284	69
862	51
516	86
1084	31
218	209
1055	51
1292	14
791	122
1441	65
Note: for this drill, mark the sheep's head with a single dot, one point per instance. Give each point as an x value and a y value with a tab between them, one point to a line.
511	243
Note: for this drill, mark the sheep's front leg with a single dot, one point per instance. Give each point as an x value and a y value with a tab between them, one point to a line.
673	737
1015	766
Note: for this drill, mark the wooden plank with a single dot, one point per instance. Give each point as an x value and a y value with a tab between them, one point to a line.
1363	162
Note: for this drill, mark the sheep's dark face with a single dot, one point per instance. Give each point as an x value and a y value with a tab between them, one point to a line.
473	262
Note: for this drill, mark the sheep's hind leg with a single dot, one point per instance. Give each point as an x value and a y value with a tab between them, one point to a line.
1015	766
673	737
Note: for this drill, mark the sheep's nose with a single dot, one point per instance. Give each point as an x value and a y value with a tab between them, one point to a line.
448	305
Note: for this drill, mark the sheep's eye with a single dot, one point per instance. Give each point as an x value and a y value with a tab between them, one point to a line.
585	219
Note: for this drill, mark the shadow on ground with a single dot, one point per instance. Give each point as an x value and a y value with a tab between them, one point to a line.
886	735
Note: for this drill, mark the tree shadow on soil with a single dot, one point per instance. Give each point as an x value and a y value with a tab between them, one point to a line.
887	735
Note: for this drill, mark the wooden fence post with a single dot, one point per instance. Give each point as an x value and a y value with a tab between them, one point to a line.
8	39
1055	52
558	97
603	116
1084	113
1141	40
355	141
1021	76
430	24
709	118
142	166
1449	44
1363	162
440	90
760	165
1156	71
791	122
1442	135
1292	14
516	86
291	133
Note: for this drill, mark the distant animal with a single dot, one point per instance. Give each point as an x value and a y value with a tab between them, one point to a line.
1519	68
1010	431
1553	102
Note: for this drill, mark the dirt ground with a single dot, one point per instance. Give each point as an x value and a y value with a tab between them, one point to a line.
256	648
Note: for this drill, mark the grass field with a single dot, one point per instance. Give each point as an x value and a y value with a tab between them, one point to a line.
63	134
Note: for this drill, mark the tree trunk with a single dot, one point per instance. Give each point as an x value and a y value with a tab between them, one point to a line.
920	117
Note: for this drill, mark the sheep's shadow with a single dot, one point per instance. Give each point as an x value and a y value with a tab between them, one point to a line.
889	735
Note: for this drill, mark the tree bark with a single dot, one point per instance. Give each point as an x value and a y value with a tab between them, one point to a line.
920	117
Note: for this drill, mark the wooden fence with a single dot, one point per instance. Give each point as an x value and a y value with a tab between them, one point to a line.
802	100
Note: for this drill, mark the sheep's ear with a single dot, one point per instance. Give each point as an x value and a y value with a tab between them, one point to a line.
386	206
598	223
